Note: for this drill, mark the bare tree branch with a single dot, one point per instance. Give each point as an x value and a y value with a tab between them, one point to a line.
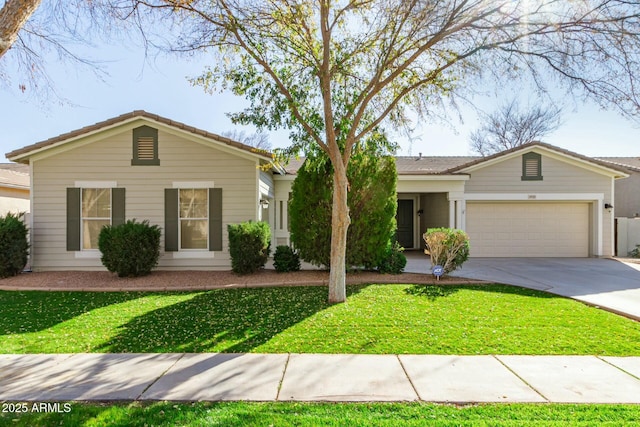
510	127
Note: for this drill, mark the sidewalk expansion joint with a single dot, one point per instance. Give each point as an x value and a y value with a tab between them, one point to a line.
159	376
415	390
618	368
284	371
520	378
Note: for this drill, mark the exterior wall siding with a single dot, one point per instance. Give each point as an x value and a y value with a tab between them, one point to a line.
558	177
627	202
110	160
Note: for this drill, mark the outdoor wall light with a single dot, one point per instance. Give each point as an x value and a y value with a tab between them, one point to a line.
264	203
420	212
608	206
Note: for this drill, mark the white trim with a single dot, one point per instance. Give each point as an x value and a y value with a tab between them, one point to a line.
599	234
288	177
418	177
193	254
88	254
31	213
534	196
193	184
96	184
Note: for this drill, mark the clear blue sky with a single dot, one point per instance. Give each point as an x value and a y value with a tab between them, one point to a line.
162	88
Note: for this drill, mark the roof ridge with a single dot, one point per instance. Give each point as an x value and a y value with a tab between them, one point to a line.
132	115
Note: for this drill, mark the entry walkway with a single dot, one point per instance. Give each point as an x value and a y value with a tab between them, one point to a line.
312	377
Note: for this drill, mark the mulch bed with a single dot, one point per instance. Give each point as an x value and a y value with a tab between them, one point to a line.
201	280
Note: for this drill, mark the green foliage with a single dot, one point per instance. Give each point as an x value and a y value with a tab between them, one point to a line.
636	252
378	319
14	247
372	206
286	259
360	414
393	261
446	247
131	249
249	246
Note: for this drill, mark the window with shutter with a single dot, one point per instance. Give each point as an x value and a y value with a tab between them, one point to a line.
145	147
531	167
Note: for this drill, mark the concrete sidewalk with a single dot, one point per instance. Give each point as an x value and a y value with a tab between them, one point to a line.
319	377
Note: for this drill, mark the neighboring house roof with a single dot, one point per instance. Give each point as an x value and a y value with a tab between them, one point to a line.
22	154
13	175
632	163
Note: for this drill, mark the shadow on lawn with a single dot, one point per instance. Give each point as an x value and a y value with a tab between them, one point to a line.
33	311
225	320
433	292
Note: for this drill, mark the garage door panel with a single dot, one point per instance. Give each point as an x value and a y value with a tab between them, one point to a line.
528	229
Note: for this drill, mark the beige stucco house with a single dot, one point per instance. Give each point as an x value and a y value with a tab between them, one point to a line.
536	200
14	188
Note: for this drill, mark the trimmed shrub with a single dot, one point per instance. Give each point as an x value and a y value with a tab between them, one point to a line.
249	246
394	261
286	259
447	247
14	247
372	202
131	249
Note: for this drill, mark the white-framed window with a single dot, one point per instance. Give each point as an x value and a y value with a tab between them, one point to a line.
95	213
194	218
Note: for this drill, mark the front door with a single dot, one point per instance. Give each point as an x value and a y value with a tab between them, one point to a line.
404	220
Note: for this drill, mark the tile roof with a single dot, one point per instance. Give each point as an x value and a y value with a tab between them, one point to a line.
14	175
632	163
132	115
406	165
593	160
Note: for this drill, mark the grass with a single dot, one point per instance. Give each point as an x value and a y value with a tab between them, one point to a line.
325	414
395	319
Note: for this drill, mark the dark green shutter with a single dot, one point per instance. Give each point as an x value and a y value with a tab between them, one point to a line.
215	219
73	219
117	206
171	219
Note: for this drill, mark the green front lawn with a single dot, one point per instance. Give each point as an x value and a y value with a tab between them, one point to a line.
326	414
479	319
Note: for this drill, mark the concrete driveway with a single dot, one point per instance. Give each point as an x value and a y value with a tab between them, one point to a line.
609	283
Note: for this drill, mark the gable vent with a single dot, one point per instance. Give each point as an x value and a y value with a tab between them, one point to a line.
531	167
145	148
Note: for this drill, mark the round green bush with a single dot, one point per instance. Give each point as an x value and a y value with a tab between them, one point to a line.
249	246
393	261
286	259
14	247
130	249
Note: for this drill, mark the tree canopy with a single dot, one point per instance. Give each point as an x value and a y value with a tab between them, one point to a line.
333	71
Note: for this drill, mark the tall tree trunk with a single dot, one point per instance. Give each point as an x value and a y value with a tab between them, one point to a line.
13	15
339	225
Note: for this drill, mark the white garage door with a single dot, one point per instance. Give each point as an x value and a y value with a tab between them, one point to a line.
534	229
